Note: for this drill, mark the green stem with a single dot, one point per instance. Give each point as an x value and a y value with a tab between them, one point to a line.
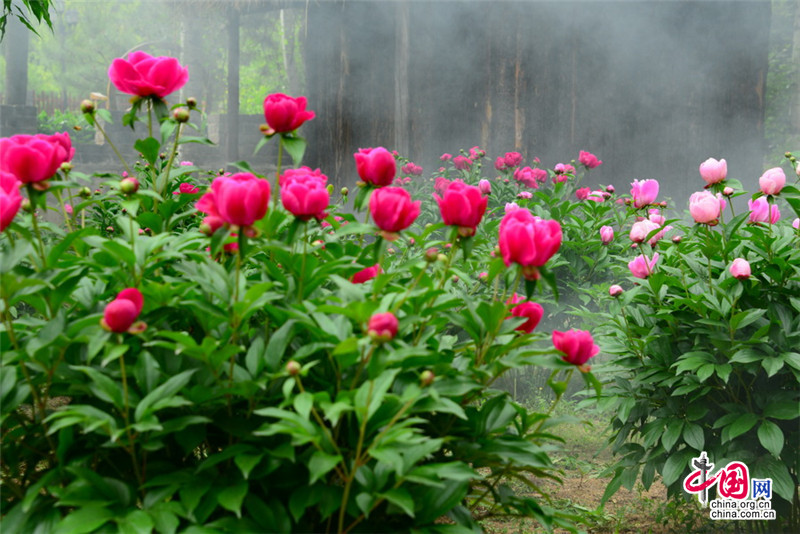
303	263
60	200
113	146
149	118
126	416
171	160
34	219
276	187
356	461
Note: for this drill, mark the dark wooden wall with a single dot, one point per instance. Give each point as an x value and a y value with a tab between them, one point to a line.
653	87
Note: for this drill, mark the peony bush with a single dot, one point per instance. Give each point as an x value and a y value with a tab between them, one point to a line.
187	351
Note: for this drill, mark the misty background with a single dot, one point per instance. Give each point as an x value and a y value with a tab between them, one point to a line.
652	87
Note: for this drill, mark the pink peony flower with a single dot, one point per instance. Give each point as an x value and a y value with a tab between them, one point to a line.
382	327
704	207
510	206
524	194
796	224
528	241
462	205
641	229
644	192
34	158
186	189
740	269
365	275
375	166
412	168
713	171
564	168
476	152
615	290
393	210
10	198
512	159
530	177
147	76
655	216
530	310
441	184
583	193
762	212
462	163
284	113
577	346
588	160
499	164
120	314
772	181
597	196
446	157
237	200
485	186
606	234
641	267
304	193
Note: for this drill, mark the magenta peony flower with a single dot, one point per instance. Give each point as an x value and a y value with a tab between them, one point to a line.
382	327
237	200
375	166
588	160
366	274
34	158
528	240
284	113
147	76
304	193
462	163
462	205
577	346
530	310
530	177
120	314
393	210
583	193
485	186
10	198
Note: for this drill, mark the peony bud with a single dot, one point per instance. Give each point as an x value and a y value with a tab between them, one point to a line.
431	255
87	106
129	185
426	378
66	167
728	191
740	269
382	327
615	290
344	192
85	192
293	368
772	181
181	115
191	102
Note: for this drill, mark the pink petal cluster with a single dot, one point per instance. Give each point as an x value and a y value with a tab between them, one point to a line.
577	346
304	193
615	290
530	176
147	76
476	152
485	186
34	158
462	205
740	268
772	181
564	168
382	327
606	234
644	192
411	168
532	311
528	240
641	267
705	207
462	163
392	209
10	198
713	171
762	212
366	274
120	314
376	166
284	113
641	229
588	160
583	193
237	200
186	189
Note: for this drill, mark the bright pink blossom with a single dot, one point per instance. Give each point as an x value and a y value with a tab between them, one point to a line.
564	168
713	171
588	160
376	166
446	157
147	76
120	314
641	229
583	193
796	224
512	159
284	113
237	200
761	211
34	158
462	163
476	152
462	205
641	267
392	209
532	311
577	346
644	192
304	193
615	290
772	181
485	186
606	234
528	240
186	189
10	198
530	177
441	184
412	168
740	268
382	326
366	274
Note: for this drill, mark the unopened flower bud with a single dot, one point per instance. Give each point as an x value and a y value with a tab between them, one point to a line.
431	255
787	155
293	368
141	232
426	378
330	189
148	231
677	239
191	102
26	205
345	191
110	229
163	155
441	257
728	191
129	185
87	106
85	192
610	188
615	290
66	167
181	115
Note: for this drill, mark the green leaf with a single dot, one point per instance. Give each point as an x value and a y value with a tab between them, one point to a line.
136	522
246	462
693	436
782	410
303	403
776	470
161	395
741	424
772	365
295	147
231	498
149	148
676	464
771	437
320	465
401	498
86	519
671	434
